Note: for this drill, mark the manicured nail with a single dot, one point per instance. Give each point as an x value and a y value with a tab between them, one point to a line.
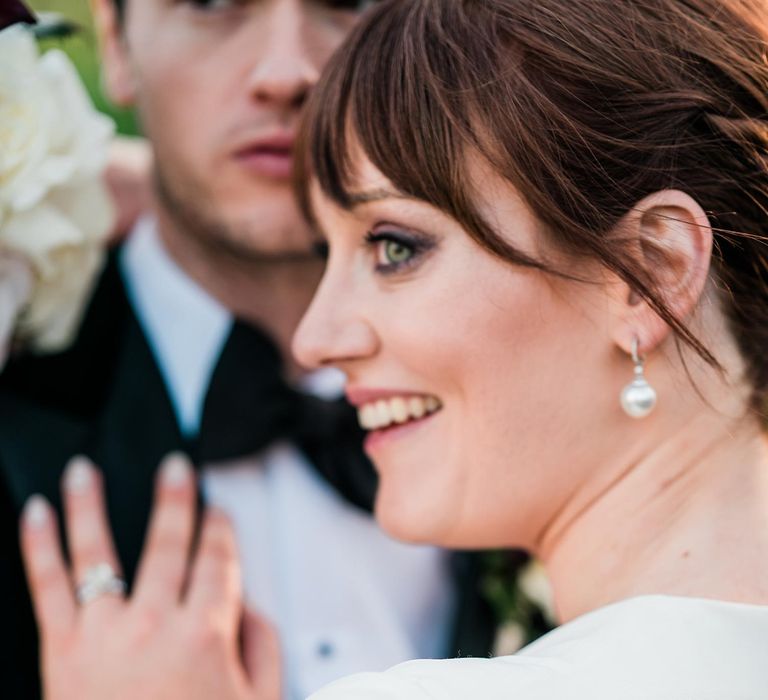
176	470
78	476
36	511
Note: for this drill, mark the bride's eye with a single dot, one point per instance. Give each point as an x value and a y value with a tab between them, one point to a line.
396	251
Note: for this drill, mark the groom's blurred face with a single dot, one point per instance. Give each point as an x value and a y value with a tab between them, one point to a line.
218	85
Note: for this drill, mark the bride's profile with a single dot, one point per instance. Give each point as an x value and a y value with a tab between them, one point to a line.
547	284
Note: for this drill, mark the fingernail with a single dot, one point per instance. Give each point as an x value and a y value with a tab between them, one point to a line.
78	475
175	471
36	511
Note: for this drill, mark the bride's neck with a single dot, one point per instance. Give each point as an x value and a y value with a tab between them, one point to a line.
688	518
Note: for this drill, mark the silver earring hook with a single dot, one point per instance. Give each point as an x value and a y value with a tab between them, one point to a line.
636	358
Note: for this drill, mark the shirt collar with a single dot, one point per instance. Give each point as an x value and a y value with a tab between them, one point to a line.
184	325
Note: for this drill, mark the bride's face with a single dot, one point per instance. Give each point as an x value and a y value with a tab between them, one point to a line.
497	371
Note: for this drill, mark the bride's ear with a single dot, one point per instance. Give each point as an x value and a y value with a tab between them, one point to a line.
117	74
672	239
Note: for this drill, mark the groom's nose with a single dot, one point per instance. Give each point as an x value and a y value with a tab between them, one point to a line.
287	64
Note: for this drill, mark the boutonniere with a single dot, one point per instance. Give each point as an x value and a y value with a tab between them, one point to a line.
519	593
55	211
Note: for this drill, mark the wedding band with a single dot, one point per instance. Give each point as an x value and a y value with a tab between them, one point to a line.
99	580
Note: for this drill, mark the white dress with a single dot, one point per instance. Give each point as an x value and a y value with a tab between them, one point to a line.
645	648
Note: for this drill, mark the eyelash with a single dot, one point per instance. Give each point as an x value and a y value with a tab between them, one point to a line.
418	245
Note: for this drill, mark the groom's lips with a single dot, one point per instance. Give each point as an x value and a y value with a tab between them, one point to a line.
270	156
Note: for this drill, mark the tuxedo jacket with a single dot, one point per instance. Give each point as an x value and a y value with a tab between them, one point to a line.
104	397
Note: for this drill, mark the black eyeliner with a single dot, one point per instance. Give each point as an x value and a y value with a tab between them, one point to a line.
419	243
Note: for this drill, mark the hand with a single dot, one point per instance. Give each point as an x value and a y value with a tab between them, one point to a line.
177	636
128	177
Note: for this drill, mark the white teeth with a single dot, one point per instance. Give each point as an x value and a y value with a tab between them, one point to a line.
399	410
385	412
416	407
383	415
368	416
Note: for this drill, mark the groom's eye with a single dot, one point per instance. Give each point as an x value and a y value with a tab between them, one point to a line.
221	5
215	5
351	5
320	249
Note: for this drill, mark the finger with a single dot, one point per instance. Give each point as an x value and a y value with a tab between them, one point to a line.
261	655
49	583
215	581
163	567
88	531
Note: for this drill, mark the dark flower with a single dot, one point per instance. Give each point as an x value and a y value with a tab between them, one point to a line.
13	11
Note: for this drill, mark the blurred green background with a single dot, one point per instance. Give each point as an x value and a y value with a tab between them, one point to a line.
83	49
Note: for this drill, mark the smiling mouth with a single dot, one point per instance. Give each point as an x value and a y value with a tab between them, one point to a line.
396	411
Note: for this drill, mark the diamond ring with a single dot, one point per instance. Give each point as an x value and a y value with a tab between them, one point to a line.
99	580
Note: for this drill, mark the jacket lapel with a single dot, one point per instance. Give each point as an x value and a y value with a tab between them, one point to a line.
105	398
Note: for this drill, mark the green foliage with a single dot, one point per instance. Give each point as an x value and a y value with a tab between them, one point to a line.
83	50
501	588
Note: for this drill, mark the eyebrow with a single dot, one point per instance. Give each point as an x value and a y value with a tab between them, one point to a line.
356	199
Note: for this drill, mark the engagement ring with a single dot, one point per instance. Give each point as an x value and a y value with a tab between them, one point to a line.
99	580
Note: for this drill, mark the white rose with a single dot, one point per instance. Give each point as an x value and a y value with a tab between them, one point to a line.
534	583
54	208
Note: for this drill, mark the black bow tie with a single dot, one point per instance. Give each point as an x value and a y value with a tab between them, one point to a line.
249	406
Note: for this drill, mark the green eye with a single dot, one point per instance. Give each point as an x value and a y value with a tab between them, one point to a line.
396	253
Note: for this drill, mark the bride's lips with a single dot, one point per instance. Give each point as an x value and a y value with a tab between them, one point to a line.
268	156
387	414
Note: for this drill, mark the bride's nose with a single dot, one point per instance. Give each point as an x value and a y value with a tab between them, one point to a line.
333	331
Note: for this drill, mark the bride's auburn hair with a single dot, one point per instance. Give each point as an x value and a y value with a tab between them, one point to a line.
585	107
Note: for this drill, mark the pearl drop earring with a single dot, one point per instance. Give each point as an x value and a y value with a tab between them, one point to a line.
638	398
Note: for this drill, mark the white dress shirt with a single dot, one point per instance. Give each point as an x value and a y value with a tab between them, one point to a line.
344	596
645	648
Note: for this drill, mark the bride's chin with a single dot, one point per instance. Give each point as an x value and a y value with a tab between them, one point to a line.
395	523
411	520
424	522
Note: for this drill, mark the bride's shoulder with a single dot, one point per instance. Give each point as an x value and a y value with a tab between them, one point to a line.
644	648
451	679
